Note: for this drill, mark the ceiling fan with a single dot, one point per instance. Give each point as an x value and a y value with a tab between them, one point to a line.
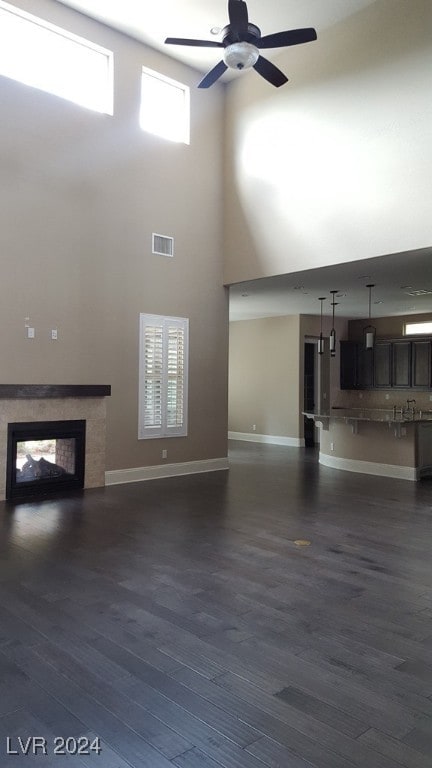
242	42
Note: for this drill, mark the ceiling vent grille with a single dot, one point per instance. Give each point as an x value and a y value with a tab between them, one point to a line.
420	292
162	245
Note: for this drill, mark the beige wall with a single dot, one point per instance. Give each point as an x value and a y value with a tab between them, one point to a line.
335	166
373	443
81	194
329	366
266	373
264	385
386	327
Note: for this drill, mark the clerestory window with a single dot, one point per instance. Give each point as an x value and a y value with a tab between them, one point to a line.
164	106
44	56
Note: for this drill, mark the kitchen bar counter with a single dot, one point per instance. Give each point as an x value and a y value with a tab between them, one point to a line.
370	414
354	415
363	440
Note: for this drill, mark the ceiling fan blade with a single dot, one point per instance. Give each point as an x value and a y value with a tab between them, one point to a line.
238	16
271	73
185	41
213	75
291	37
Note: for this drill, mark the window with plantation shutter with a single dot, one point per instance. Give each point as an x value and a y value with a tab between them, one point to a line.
163	376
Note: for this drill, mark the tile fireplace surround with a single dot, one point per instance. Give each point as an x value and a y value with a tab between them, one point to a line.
55	402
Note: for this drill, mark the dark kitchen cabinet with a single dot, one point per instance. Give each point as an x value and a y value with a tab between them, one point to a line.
421	364
383	364
392	363
348	365
365	367
356	365
401	364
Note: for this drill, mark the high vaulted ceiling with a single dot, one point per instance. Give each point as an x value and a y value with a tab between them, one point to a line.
151	21
403	282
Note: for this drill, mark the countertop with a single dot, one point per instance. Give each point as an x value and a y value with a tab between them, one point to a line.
371	414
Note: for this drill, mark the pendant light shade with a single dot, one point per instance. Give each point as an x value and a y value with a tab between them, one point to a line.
321	339
369	330
332	339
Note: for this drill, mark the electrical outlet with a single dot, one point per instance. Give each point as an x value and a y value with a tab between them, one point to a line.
253	427
332	446
387	396
30	333
54	334
164	454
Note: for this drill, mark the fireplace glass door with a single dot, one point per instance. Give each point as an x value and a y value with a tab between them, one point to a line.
45	457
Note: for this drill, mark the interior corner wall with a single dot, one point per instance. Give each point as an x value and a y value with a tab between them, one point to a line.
334	166
330	366
81	194
263	386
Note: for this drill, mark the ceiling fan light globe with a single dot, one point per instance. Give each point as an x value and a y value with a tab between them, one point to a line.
240	55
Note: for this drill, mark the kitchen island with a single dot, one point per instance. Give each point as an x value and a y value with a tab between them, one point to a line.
376	441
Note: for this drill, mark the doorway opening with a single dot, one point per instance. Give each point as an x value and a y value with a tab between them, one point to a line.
310	391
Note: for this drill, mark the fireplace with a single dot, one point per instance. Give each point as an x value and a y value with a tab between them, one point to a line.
45	457
36	405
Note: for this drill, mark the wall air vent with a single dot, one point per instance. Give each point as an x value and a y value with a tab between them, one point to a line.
162	245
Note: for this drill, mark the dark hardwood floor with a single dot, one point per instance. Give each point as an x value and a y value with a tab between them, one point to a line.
180	622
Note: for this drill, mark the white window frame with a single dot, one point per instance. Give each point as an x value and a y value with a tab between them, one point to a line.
418	329
175	127
162	429
54	75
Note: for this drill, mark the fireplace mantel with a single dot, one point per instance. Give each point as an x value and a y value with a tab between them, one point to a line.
30	391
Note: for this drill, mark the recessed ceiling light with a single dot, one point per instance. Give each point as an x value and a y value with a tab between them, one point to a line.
245	294
215	31
380	301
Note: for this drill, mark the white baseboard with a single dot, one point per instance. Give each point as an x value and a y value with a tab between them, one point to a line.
369	467
253	437
136	474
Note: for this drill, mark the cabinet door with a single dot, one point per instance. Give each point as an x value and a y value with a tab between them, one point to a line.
382	364
365	367
401	365
421	364
348	365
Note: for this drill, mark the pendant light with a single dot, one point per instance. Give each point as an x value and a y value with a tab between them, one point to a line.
369	331
321	339
333	331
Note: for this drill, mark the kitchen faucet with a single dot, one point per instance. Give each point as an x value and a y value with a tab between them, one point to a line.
410	408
